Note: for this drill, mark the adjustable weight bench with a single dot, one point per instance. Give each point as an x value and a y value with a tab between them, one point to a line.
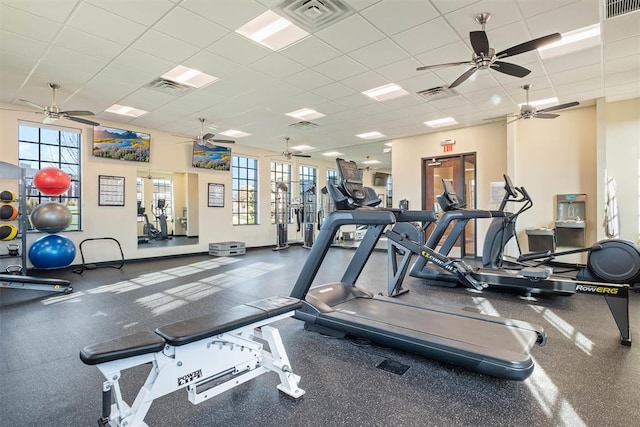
195	354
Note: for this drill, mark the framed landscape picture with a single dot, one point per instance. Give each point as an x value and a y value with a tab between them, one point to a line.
211	157
120	144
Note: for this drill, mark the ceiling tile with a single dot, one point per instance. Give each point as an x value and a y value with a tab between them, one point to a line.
340	68
24	46
226	13
427	36
350	34
574	60
446	6
163	46
567	18
238	49
532	8
145	12
87	44
399	70
621	48
365	81
32	26
277	66
73	60
143	62
211	64
380	53
621	27
189	27
101	23
310	51
57	10
582	73
628	63
392	16
503	12
308	79
334	91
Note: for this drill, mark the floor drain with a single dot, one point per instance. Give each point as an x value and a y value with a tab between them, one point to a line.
393	366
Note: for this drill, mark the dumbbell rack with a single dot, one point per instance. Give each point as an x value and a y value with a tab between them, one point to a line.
19	279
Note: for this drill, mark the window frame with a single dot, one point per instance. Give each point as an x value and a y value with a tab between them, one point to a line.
237	181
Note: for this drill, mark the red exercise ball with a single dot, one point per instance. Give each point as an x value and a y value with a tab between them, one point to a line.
51	181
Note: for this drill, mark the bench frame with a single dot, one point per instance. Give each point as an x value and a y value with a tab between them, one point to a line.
236	354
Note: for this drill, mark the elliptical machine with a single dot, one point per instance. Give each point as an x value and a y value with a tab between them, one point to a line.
611	261
162	220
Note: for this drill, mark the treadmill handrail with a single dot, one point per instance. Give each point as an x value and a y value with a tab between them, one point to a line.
328	230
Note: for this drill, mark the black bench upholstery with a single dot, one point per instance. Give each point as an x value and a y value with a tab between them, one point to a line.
142	342
187	331
197	328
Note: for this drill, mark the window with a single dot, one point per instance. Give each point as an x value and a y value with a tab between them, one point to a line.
280	174
389	202
332	176
244	188
308	177
44	146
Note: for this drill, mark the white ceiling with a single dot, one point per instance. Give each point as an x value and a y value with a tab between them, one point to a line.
103	52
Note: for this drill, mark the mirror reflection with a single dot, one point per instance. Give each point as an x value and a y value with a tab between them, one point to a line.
167	204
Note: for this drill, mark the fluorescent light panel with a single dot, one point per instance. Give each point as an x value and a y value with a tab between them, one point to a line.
572	41
447	121
386	92
333	153
272	31
189	76
305	114
124	110
234	133
303	148
371	162
370	135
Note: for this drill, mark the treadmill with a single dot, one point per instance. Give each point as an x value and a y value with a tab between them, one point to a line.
491	345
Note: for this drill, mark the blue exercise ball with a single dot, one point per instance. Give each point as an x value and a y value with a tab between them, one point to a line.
52	251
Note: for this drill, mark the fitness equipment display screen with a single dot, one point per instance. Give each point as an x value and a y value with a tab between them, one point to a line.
349	171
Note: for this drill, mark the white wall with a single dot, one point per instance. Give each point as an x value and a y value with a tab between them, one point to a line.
166	157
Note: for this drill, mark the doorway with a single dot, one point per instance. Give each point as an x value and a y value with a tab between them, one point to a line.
461	169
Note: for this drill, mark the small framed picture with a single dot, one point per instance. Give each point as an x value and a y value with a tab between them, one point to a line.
216	195
110	190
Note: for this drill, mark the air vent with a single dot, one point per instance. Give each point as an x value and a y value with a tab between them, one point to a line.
168	86
439	92
621	7
313	15
303	125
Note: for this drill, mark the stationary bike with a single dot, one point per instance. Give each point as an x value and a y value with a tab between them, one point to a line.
611	261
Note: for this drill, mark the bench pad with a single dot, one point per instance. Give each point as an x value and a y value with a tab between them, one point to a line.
128	346
197	328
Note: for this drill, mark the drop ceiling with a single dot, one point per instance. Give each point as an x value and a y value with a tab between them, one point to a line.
105	52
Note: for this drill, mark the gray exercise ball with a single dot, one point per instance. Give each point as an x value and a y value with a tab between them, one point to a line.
51	217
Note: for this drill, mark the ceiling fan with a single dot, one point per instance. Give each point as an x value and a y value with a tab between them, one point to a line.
205	138
288	154
528	111
485	57
52	113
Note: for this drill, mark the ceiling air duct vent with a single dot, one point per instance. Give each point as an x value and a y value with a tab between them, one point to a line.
168	86
303	125
439	92
615	8
313	15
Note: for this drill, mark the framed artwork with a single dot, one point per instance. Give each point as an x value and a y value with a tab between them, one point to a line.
120	144
214	157
110	190
216	195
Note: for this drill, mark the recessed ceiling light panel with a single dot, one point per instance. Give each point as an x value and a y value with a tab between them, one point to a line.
386	92
124	110
305	114
272	31
447	121
234	133
189	76
370	135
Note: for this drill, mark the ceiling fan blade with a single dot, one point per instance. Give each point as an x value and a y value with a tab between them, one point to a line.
33	104
83	121
463	77
511	121
530	45
510	69
207	136
77	113
559	107
479	42
224	141
545	115
437	66
301	155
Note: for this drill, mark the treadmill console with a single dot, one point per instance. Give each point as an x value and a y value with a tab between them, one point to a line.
449	199
351	179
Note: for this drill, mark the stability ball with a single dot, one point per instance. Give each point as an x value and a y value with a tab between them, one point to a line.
52	251
51	181
51	217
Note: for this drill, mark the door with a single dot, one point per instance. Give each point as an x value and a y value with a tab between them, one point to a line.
461	169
